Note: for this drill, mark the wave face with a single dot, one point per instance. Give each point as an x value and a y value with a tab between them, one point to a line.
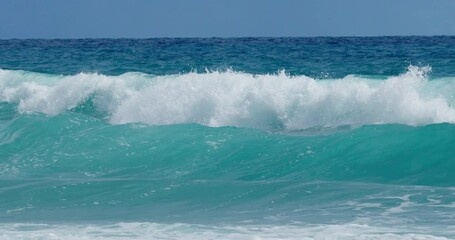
73	167
139	142
271	102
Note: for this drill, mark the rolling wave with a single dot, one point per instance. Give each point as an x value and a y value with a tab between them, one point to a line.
139	147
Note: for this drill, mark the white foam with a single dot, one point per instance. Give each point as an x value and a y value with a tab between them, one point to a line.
238	99
151	231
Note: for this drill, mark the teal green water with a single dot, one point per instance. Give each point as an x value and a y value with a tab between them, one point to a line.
75	167
37	146
224	139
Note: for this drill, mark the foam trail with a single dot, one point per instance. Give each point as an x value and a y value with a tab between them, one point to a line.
186	231
272	102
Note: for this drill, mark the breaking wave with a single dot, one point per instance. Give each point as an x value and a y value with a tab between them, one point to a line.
270	102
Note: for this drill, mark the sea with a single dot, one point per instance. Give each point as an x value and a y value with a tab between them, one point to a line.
228	138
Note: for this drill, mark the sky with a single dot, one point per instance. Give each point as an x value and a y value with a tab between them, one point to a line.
223	18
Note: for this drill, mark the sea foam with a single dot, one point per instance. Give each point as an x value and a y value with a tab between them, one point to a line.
229	98
145	230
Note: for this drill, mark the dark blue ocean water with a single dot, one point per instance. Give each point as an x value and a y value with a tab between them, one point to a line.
242	138
322	57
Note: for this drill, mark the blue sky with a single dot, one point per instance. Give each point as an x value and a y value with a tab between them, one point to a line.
223	18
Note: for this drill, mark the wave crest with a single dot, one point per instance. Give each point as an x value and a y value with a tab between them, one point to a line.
272	102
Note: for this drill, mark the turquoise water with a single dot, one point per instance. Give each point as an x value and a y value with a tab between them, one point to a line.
300	138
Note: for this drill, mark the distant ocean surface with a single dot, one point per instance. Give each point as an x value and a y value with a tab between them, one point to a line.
242	138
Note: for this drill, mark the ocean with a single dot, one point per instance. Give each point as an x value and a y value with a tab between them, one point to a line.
228	138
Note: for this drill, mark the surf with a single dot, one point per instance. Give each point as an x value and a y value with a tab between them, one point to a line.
273	102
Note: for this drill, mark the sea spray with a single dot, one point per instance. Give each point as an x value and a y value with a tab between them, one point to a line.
270	102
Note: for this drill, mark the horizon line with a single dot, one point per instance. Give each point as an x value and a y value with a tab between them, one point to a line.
234	37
